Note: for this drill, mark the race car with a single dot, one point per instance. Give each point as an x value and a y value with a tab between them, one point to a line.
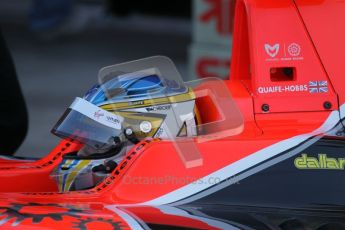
143	149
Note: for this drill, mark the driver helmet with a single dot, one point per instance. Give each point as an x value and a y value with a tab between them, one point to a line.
124	108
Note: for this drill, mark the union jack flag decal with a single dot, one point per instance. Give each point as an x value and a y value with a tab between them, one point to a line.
318	87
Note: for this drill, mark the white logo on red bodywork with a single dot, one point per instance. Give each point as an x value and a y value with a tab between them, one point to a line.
294	49
272	50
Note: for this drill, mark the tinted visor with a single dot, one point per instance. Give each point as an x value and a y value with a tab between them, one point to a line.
89	124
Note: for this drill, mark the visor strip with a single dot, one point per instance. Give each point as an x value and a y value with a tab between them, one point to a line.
96	113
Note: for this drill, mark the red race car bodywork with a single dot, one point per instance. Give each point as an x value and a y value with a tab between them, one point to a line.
287	81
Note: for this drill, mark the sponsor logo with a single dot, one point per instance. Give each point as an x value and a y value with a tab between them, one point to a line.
113	120
288	52
294	49
320	162
135	102
98	114
272	51
158	108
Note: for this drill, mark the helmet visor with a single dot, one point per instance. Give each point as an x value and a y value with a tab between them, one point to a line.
89	124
